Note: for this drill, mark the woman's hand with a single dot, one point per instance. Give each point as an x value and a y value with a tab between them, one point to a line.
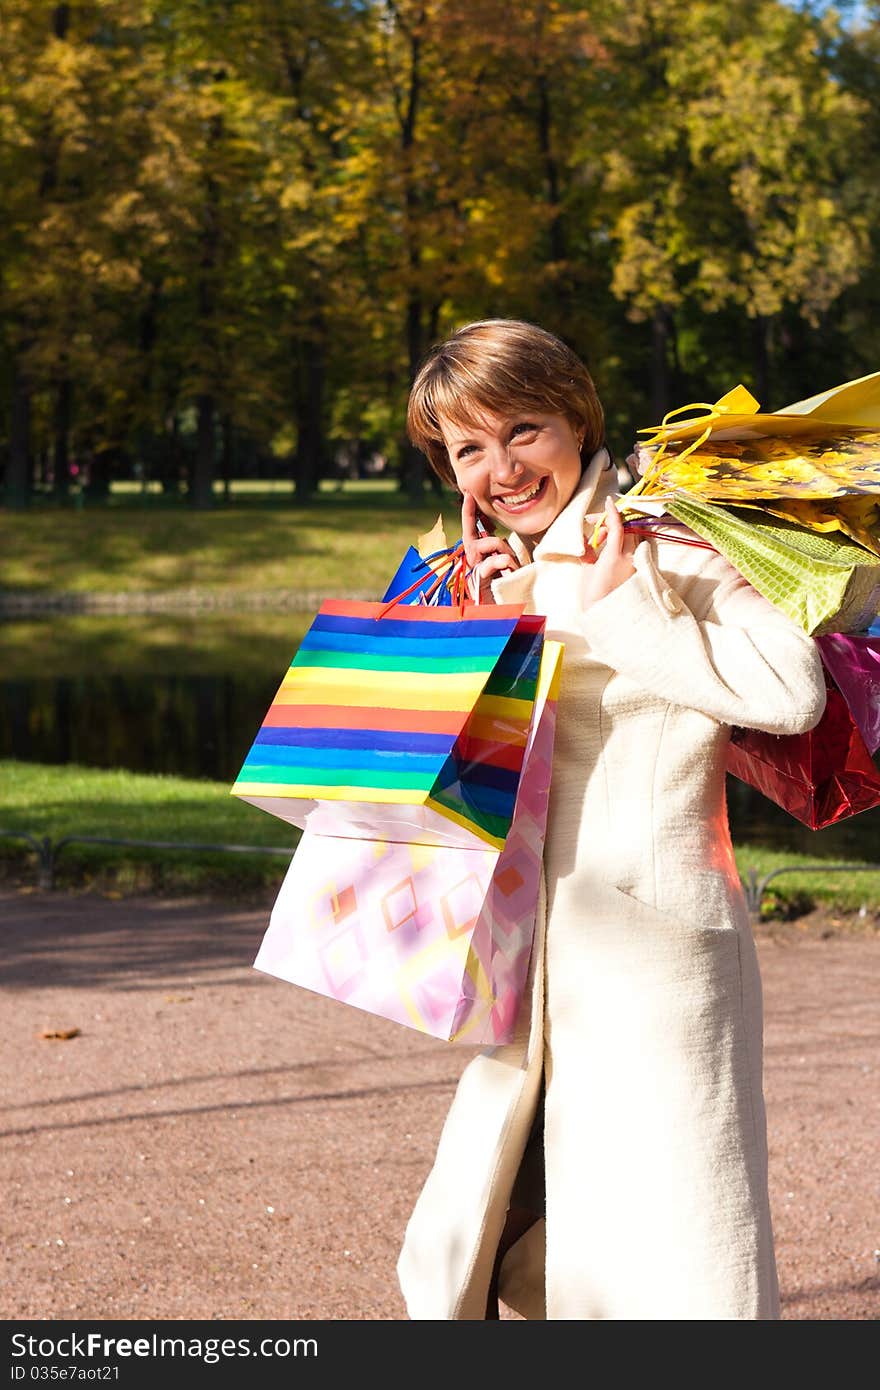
640	460
610	564
487	555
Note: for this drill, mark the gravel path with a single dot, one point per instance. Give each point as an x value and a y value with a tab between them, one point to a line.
217	1144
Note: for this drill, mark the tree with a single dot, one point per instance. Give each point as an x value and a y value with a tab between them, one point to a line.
708	215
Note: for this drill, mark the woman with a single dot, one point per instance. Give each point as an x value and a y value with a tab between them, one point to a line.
639	1047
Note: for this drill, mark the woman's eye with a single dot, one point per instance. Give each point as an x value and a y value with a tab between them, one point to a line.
464	451
524	427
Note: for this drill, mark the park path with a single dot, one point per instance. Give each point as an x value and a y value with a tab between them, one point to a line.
218	1144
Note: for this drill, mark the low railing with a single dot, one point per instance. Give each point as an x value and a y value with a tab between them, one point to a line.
755	887
47	851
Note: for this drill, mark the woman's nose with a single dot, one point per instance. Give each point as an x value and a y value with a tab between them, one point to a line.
503	464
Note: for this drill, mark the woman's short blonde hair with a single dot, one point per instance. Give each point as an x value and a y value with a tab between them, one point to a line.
500	366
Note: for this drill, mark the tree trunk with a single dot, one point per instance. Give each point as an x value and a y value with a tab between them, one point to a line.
99	472
61	429
201	489
309	461
660	362
433	332
149	443
762	333
551	170
411	459
412	464
226	433
18	475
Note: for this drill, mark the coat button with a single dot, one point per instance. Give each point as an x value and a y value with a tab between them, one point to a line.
671	600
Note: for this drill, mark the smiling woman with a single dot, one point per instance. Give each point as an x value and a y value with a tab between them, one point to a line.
510	417
611	1162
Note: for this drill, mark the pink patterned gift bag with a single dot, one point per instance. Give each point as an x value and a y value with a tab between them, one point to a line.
436	937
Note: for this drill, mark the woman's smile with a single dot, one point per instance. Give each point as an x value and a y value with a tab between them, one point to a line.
525	497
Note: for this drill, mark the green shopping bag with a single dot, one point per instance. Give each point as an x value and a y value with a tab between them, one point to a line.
825	582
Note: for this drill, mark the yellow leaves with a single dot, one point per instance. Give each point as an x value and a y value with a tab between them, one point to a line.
283	443
727	178
644	272
296	195
122	209
114	274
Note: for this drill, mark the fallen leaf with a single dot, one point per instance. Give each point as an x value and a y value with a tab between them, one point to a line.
60	1034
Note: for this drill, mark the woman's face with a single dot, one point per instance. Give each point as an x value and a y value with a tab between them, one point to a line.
520	469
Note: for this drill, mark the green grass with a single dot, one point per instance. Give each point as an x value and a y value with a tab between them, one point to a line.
71	800
847	891
341	543
247	490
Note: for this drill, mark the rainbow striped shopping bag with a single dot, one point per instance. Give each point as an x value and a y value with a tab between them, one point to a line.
407	723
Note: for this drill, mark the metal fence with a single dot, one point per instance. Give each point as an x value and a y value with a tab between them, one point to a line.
48	850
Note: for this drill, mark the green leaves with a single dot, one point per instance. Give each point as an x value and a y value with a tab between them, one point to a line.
263	214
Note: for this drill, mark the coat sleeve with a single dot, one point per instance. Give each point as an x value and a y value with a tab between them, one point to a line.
705	639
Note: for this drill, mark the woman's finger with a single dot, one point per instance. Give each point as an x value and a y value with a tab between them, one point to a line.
494	564
486	546
613	519
490	569
468	524
491	545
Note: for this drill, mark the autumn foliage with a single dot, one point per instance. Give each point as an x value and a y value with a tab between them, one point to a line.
232	228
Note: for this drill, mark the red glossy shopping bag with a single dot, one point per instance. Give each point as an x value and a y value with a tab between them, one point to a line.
819	777
853	661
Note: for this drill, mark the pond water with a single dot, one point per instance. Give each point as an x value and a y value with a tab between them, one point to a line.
191	726
186	695
148	693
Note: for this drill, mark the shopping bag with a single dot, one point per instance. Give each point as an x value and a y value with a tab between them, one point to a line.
825	583
435	937
819	466
407	722
854	664
819	777
848	408
430	572
416	581
804	483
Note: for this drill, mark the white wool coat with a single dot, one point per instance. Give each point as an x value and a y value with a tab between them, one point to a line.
642	1023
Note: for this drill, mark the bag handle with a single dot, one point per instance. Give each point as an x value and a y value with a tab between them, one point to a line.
646	482
451	577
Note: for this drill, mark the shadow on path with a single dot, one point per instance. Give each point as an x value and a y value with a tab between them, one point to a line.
50	940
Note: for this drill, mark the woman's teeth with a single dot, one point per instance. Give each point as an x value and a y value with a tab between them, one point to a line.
518	499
